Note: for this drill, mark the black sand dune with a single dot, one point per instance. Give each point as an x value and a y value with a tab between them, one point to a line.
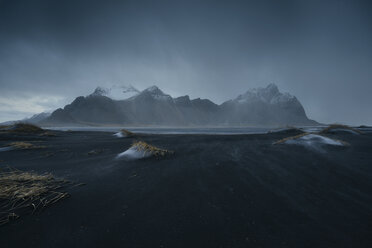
215	191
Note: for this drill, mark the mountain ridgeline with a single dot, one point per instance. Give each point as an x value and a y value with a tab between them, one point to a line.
152	107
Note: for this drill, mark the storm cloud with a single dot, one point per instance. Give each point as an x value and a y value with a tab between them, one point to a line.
319	51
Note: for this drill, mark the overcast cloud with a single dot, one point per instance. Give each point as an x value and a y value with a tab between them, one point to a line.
319	51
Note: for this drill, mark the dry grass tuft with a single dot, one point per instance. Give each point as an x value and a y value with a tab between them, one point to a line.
24	145
27	192
338	126
25	128
364	126
286	129
290	138
4	127
126	133
48	134
304	134
147	148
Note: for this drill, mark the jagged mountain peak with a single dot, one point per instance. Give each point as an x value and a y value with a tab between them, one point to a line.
269	94
155	93
116	92
259	106
269	91
185	98
153	88
100	91
272	88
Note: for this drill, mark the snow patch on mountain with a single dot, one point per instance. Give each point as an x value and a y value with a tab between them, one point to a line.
116	92
155	93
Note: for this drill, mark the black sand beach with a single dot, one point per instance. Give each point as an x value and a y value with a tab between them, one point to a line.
215	191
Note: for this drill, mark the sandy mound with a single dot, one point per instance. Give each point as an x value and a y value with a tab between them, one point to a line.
311	140
143	150
336	128
286	130
124	133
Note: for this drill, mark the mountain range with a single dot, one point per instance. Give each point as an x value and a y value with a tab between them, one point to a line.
128	106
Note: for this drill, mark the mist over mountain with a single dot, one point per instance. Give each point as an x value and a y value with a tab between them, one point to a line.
152	107
35	119
264	106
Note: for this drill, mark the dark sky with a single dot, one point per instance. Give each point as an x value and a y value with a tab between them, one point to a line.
320	51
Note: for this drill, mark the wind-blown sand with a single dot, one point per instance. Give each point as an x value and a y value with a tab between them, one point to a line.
214	191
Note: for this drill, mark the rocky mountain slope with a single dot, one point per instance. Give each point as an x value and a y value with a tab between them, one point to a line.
264	106
152	107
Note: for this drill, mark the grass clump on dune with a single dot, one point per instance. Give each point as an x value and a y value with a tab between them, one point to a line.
328	130
126	133
24	128
24	145
142	146
312	136
290	138
364	126
48	134
4	127
27	192
332	127
286	129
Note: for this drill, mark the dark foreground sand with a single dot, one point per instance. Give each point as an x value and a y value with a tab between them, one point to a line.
215	191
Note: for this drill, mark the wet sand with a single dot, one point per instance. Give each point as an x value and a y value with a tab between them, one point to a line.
215	191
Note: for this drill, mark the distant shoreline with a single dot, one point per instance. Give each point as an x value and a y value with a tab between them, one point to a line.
184	130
